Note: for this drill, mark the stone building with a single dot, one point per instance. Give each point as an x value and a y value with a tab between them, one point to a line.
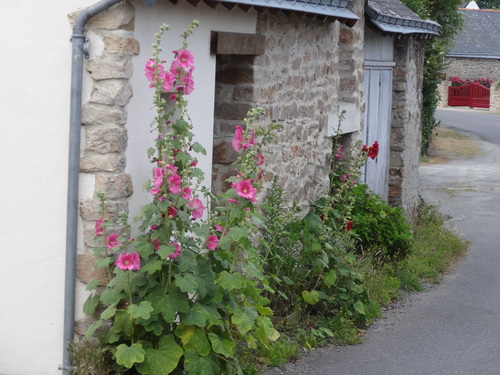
302	61
476	53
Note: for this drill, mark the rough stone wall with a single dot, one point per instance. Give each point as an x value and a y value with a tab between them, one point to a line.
471	68
103	119
296	82
406	123
443	93
233	99
495	98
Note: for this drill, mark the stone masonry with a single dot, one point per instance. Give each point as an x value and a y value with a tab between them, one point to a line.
473	68
103	120
406	123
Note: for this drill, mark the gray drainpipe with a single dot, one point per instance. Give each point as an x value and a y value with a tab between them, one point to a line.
80	49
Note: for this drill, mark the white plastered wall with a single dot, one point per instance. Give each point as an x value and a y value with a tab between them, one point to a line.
35	75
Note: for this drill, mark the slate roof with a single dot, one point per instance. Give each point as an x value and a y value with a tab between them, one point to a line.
394	18
324	9
480	36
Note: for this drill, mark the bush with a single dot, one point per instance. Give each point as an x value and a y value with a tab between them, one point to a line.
380	229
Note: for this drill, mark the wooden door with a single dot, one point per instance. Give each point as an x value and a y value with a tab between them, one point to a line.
378	94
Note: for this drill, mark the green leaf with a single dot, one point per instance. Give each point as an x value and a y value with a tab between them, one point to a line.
143	310
266	311
109	312
197	365
330	278
93	327
90	304
231	281
197	315
222	345
186	283
266	332
359	307
103	262
237	233
163	360
110	296
310	297
122	326
180	125
245	319
193	337
165	250
355	288
152	266
287	280
198	148
170	305
128	355
92	284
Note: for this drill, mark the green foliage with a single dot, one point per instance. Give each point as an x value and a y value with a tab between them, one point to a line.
381	230
447	15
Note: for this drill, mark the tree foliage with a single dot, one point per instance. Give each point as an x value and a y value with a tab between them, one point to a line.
488	4
447	15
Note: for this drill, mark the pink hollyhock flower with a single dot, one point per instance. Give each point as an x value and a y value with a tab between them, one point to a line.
158	173
260	159
171	169
171	212
177	250
154	227
212	242
161	199
168	80
98	226
261	173
186	193
151	68
188	81
245	189
185	58
344	177
198	208
155	190
175	183
112	240
219	228
237	138
339	153
232	200
172	97
194	163
156	244
130	262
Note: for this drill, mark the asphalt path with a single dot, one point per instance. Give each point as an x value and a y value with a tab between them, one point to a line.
452	328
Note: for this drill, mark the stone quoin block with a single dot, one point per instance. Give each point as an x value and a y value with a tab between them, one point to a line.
100	114
110	66
111	92
102	163
114	185
105	139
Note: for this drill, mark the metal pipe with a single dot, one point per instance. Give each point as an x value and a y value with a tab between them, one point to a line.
78	52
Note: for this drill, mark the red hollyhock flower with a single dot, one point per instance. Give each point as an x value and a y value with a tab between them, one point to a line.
373	151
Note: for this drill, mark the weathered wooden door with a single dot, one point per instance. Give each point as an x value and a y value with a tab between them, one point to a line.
378	99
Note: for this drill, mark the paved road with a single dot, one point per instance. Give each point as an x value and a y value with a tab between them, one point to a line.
482	123
454	328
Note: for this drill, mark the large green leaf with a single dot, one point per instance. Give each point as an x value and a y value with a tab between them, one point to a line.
245	319
142	310
109	312
310	297
195	364
152	266
161	361
193	337
129	355
186	283
223	346
197	315
111	296
231	281
170	305
359	307
94	326
330	278
237	233
90	304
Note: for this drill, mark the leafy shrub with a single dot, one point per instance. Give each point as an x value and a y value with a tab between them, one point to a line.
380	229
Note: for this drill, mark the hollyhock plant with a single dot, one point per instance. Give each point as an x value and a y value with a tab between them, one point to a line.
185	270
128	262
237	140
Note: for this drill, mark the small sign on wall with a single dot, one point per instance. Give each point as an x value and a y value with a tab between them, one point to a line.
351	122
